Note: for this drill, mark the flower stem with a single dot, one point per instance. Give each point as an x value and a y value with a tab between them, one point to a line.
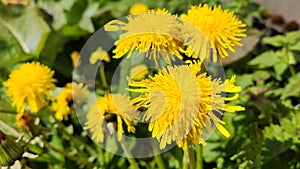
191	155
67	155
158	159
199	161
7	111
129	156
185	161
101	158
102	76
185	157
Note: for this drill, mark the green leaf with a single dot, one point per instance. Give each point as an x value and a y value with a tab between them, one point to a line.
280	68
260	74
173	5
118	8
45	157
277	41
292	88
75	13
290	123
56	10
256	137
55	41
275	132
21	35
293	37
291	58
31	27
266	59
86	22
273	148
125	67
28	28
73	30
10	50
5	105
279	138
63	66
250	156
244	80
211	152
56	141
295	47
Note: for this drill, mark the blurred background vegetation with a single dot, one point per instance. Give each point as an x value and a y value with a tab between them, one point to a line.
266	135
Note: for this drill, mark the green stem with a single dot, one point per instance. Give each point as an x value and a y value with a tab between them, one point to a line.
101	158
286	50
185	158
67	155
191	154
73	140
179	155
190	3
129	156
199	161
7	111
158	159
102	76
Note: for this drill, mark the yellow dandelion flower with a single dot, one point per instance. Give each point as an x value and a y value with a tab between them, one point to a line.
29	85
72	91
115	108
75	59
139	72
138	8
149	33
99	54
24	120
221	27
182	104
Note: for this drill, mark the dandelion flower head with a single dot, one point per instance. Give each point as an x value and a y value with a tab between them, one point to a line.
23	120
72	91
149	33
115	108
29	85
99	55
181	103
221	27
138	8
75	59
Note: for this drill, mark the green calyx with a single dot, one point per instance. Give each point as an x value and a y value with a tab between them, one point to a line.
10	150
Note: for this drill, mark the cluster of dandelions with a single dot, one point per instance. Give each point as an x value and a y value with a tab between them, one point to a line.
31	88
180	103
157	33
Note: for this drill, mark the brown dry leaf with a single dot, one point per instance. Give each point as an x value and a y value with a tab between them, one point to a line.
241	51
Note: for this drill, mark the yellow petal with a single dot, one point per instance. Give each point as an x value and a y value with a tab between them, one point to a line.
223	130
139	72
232	98
99	54
233	109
